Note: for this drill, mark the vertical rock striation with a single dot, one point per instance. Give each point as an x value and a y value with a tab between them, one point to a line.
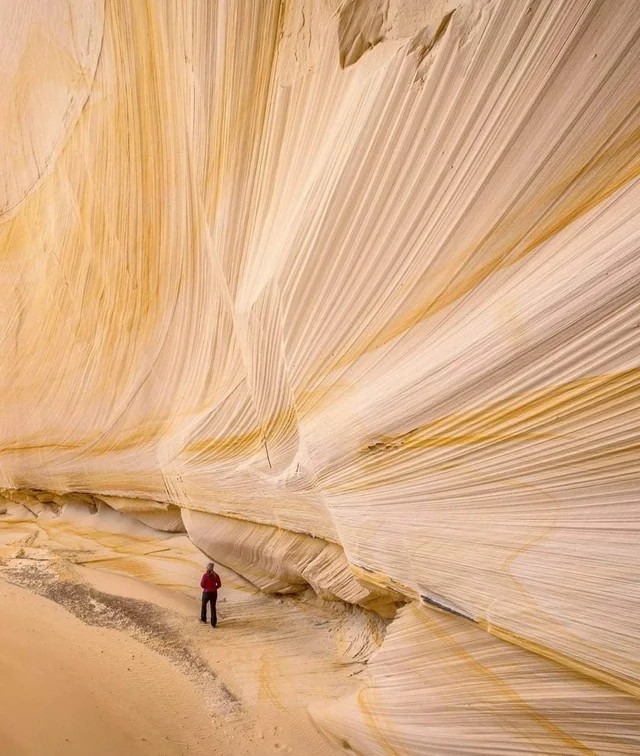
354	285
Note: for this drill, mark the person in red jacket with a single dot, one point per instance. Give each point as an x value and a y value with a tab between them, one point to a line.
210	583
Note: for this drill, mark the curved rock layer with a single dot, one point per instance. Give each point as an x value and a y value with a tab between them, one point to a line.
354	286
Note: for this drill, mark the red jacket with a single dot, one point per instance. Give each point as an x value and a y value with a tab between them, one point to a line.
210	583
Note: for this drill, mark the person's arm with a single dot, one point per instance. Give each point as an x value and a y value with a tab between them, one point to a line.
218	581
202	581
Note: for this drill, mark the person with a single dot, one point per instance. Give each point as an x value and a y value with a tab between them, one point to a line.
210	583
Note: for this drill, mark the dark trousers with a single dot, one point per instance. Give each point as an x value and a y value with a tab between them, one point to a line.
209	596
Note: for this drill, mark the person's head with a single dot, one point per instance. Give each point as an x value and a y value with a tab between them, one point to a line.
210	567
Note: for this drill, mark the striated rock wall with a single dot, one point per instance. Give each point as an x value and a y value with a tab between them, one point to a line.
349	291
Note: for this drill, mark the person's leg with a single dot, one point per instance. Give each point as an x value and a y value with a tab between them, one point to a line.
203	611
214	616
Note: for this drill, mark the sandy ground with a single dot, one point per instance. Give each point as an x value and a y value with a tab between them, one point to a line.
94	659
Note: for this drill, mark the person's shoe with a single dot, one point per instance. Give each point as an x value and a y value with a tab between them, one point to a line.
205	621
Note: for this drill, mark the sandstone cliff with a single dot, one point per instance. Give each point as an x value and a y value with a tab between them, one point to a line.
348	292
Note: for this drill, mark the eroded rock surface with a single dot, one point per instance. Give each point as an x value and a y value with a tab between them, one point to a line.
347	293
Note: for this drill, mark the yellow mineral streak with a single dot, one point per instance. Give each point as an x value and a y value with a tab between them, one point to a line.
346	292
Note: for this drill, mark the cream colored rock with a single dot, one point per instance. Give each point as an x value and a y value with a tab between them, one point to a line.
280	561
363	274
441	685
158	515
